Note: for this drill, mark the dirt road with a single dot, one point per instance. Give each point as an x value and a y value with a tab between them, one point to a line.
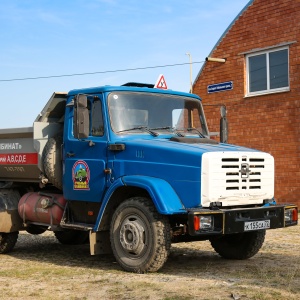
41	268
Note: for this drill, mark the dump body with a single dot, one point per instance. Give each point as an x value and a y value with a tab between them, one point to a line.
21	149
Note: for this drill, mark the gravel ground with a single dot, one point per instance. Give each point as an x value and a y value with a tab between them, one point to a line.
41	268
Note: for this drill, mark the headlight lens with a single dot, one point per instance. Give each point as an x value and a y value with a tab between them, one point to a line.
205	222
291	215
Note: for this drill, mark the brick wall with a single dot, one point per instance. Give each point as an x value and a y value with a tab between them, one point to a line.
270	122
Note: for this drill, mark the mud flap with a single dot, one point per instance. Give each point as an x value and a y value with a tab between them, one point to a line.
100	243
10	220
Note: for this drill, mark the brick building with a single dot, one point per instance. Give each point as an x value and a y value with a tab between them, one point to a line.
262	51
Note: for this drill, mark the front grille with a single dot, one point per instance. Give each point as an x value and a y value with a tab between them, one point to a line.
234	177
237	178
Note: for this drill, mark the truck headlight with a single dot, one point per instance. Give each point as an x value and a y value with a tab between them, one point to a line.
291	215
204	222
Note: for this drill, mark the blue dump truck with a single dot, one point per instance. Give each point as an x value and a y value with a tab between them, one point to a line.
131	169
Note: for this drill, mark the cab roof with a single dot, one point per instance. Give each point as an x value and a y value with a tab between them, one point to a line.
137	87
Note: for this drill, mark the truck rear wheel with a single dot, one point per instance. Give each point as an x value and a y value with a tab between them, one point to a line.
52	161
240	245
140	237
8	241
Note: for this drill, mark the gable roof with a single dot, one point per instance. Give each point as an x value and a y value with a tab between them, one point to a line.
224	34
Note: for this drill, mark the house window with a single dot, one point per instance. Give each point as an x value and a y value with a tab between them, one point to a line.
267	71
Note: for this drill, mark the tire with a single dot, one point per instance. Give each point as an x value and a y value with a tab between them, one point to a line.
72	237
52	161
240	245
8	241
140	237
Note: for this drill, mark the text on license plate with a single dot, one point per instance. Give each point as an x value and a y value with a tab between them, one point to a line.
256	225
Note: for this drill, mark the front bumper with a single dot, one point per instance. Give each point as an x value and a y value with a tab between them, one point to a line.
229	221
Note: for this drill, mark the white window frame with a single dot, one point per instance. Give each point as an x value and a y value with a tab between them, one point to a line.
268	90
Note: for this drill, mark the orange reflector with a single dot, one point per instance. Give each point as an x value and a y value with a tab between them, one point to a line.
90	213
196	223
295	214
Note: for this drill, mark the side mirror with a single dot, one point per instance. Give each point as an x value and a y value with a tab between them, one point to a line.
81	120
223	125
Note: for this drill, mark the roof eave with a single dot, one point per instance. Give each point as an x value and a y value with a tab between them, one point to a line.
224	34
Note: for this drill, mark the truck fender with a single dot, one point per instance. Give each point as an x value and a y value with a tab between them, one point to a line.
161	192
116	184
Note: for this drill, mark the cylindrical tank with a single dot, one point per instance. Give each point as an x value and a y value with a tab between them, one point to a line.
42	208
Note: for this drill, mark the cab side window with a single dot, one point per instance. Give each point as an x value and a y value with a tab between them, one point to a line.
97	125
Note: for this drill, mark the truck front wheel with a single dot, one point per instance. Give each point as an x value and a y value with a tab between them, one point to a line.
8	241
140	237
240	245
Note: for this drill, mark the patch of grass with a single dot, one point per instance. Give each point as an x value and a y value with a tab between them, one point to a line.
193	271
178	298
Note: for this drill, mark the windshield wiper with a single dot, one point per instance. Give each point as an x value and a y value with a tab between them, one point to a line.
143	128
171	128
164	127
200	134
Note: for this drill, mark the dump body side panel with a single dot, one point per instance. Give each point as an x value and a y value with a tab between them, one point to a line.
18	158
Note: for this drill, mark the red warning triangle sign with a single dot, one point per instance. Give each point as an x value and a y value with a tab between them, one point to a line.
161	83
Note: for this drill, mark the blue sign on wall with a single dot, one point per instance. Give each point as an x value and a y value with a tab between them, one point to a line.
220	87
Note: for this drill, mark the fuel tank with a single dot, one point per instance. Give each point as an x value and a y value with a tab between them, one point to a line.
42	208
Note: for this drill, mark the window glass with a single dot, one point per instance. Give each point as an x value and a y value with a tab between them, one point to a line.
278	69
97	128
258	73
268	71
131	111
177	118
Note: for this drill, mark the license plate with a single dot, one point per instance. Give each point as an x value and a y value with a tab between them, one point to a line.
256	225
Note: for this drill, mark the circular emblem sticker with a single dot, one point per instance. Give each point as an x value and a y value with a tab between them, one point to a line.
81	175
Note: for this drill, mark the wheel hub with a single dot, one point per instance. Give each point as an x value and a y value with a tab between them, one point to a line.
132	237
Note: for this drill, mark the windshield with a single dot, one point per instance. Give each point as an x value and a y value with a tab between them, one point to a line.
131	112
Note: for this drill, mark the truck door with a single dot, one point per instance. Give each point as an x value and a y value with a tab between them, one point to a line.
85	158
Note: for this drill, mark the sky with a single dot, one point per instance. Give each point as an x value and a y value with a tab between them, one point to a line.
48	38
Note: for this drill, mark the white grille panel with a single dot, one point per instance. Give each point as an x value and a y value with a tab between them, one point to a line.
236	178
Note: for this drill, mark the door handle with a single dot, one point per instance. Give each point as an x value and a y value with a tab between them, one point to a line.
70	154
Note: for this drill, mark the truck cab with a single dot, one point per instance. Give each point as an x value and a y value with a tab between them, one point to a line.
118	132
